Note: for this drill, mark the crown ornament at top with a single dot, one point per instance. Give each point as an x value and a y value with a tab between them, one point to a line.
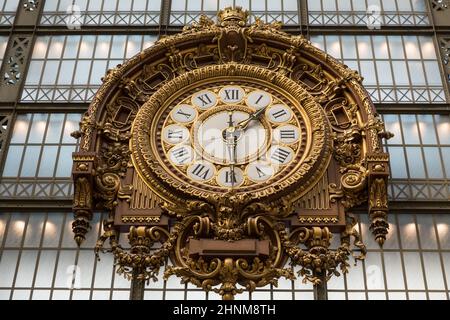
233	15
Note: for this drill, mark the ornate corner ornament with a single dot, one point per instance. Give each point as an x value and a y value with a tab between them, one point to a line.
230	239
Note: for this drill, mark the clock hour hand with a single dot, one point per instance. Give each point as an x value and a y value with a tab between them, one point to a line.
255	115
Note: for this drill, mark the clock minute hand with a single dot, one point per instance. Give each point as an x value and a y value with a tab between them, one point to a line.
255	115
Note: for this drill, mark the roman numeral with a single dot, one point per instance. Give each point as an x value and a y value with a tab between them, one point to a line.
232	94
181	154
280	155
187	115
287	134
230	177
200	171
260	172
279	113
259	99
205	99
175	134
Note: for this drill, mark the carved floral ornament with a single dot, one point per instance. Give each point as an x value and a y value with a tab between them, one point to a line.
230	224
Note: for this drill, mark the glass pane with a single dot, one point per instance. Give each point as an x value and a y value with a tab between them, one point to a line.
48	160
34	229
427	129
64	167
11	168
396	47
433	271
397	162
8	267
21	128
30	161
417	73
104	272
86	261
426	231
427	47
411	47
364	47
443	229
374	271
400	72
333	46
348	47
38	127
64	272
53	229
433	73
71	49
46	268
408	232
392	124
384	73
82	72
50	72
413	269
415	162
433	162
380	47
27	265
54	128
34	72
66	72
443	128
56	47
72	124
393	271
410	130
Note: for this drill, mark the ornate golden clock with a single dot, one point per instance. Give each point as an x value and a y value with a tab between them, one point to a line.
205	134
231	149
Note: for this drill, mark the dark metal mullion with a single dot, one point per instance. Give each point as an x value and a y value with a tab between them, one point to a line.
42	145
439	146
19	258
94	269
402	260
366	293
38	258
441	259
77	58
422	263
374	59
405	153
422	152
58	252
58	152
2	244
25	145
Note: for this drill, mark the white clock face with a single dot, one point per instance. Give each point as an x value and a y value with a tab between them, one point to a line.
232	135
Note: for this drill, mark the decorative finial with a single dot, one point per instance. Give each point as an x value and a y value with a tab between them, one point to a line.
233	15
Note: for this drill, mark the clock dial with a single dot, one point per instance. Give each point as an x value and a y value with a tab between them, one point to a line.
210	136
231	136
